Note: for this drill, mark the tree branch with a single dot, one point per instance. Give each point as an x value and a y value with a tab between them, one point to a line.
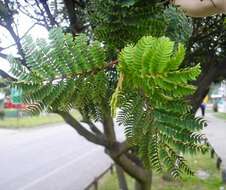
80	3
214	71
9	21
2	85
3	55
43	15
81	130
123	147
28	30
108	124
49	14
18	44
113	148
25	12
94	128
75	23
116	150
92	72
132	169
5	75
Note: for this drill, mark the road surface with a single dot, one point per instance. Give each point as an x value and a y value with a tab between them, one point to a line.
48	158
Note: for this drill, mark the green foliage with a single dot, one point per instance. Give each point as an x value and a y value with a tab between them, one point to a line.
121	22
179	26
61	73
128	3
65	72
152	105
118	25
207	44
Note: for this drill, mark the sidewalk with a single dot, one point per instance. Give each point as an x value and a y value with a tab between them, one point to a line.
216	134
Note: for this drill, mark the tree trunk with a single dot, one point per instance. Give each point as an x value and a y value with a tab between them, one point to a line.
203	84
75	22
113	148
121	178
208	75
143	185
137	185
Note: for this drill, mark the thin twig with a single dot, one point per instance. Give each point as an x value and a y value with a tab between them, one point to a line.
4	48
93	72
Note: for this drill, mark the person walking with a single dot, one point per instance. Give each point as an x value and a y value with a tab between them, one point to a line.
203	105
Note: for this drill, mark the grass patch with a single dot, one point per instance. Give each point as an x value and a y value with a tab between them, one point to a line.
196	162
32	121
220	115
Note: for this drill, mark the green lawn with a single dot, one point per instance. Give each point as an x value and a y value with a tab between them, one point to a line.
220	115
31	121
197	162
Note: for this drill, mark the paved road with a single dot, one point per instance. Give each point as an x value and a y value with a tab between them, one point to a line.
216	134
57	158
48	158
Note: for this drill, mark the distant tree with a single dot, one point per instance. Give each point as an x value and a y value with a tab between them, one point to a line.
207	46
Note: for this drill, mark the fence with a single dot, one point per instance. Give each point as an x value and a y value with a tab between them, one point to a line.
218	163
94	184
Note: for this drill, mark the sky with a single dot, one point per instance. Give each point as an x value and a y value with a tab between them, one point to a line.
6	40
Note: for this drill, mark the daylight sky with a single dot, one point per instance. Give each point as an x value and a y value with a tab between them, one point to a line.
24	23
